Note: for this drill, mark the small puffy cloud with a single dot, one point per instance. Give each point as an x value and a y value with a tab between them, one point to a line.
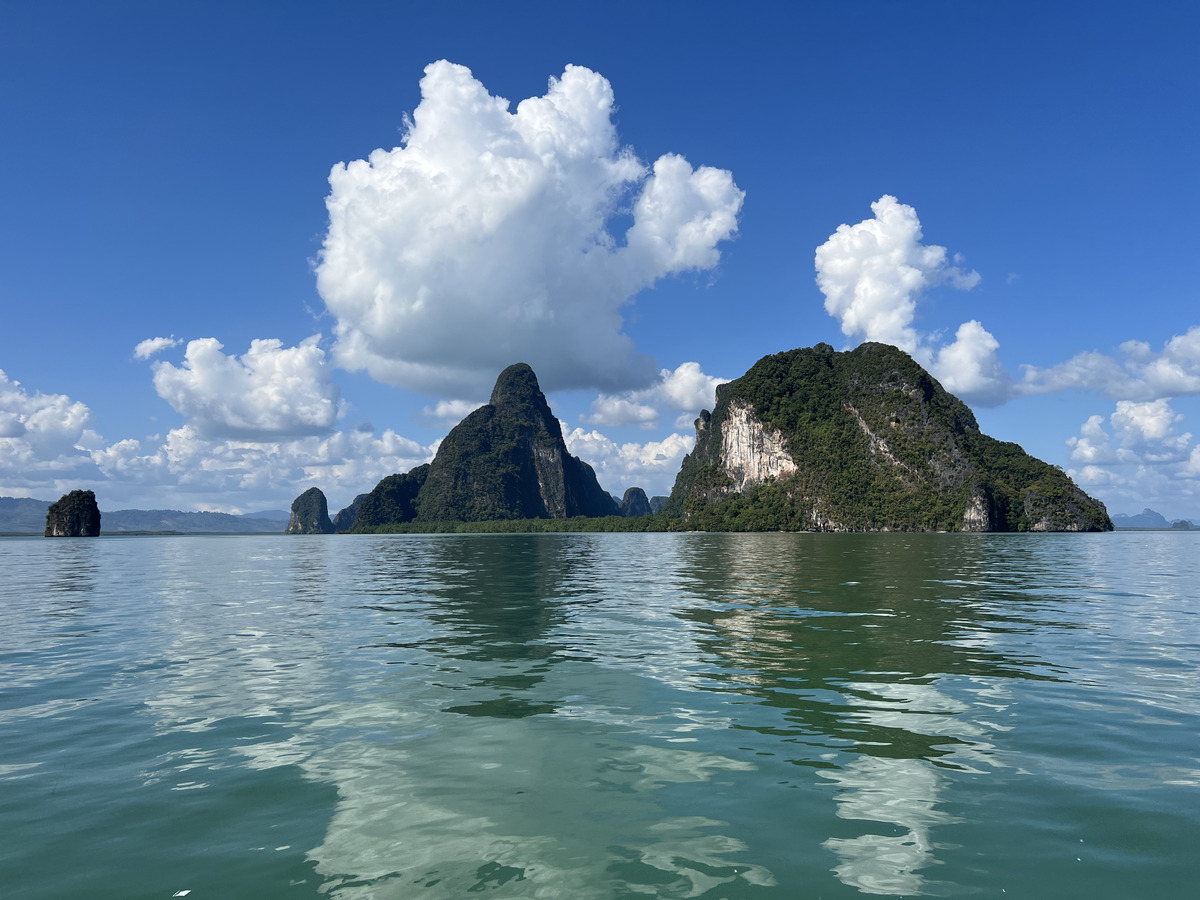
686	389
451	412
873	276
271	392
1139	374
970	366
651	466
1092	446
152	346
488	237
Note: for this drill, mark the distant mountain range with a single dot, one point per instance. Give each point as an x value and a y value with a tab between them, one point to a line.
1148	518
24	515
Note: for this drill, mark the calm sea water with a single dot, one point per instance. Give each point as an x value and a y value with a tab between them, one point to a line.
600	716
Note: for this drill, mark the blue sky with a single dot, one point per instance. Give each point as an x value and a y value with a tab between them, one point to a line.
1017	183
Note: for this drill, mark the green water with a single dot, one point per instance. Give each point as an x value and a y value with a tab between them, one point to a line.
600	716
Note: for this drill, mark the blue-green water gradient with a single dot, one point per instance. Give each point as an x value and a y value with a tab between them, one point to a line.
600	716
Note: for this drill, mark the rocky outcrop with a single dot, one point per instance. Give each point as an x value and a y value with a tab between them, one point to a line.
74	515
866	440
310	514
658	503
750	454
635	503
393	501
347	516
508	460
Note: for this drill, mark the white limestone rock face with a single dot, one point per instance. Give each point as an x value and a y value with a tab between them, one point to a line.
750	454
975	516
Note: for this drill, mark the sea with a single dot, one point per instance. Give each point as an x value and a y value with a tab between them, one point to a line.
600	716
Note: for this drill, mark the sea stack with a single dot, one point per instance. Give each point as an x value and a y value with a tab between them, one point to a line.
508	460
310	514
74	515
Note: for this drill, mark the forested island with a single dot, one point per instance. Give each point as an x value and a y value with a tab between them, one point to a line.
807	440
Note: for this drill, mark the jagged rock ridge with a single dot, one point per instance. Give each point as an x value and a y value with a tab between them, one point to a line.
866	440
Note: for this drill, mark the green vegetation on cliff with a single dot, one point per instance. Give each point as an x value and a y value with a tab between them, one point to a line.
508	460
877	444
393	500
310	514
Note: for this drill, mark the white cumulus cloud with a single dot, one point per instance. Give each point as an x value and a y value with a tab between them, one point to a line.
874	275
488	237
685	389
651	466
152	346
271	392
43	440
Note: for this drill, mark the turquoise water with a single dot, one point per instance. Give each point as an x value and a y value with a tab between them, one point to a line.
600	716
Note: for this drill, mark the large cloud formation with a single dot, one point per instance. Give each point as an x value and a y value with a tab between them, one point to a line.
485	239
873	276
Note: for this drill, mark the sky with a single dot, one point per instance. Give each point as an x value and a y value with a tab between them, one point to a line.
249	248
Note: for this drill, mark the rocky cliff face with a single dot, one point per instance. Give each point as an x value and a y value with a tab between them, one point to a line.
310	514
863	441
393	500
635	503
74	515
508	460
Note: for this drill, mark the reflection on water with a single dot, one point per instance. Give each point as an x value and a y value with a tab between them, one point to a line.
606	715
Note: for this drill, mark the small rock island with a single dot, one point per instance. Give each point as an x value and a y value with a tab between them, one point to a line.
74	515
310	514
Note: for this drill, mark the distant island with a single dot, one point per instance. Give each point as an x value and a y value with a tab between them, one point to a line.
807	440
25	515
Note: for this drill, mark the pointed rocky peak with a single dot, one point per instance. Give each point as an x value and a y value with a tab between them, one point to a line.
310	514
517	385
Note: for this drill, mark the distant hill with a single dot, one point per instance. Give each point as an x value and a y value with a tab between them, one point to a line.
1148	518
186	522
23	515
20	515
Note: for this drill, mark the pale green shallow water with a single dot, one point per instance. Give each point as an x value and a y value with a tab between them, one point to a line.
600	716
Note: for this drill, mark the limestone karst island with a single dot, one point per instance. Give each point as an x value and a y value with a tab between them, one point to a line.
807	440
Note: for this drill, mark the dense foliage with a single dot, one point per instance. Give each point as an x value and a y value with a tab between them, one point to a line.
394	499
310	514
878	445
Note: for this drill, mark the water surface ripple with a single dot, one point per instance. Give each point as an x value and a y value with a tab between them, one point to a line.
600	716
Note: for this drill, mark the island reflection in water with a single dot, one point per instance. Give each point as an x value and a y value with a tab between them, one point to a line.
667	715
